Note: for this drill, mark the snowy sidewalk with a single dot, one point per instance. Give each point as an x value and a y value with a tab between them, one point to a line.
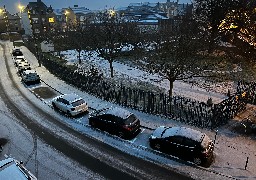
231	149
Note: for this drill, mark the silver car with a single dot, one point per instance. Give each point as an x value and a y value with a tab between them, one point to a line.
71	104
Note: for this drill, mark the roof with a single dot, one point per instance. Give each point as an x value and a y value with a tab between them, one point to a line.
30	72
37	4
58	11
143	4
119	112
71	97
184	131
80	10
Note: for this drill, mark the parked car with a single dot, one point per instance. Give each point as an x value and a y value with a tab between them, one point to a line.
23	66
116	121
30	76
20	60
71	104
185	143
17	52
12	169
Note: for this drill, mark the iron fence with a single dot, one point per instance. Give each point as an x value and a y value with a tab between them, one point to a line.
182	109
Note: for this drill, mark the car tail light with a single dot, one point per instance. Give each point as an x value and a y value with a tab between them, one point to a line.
205	153
127	127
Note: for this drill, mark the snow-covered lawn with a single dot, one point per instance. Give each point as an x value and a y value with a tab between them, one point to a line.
124	72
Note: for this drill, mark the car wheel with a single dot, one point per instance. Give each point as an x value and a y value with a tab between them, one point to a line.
69	113
92	124
54	105
157	146
197	161
121	134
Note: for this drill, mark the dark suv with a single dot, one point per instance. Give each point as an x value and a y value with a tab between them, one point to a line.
185	143
17	52
116	121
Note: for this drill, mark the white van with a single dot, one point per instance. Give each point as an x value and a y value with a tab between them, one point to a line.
30	76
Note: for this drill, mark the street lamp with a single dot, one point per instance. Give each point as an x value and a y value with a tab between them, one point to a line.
66	18
21	8
112	13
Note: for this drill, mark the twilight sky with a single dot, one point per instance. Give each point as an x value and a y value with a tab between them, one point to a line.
12	5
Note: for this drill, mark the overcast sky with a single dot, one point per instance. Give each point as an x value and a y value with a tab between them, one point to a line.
12	5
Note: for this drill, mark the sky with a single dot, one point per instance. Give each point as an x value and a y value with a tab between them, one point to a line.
12	5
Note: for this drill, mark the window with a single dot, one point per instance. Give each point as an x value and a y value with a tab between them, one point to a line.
65	102
189	142
130	119
175	139
77	103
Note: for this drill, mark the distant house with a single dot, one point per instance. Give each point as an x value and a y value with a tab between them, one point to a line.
10	26
155	15
83	15
41	18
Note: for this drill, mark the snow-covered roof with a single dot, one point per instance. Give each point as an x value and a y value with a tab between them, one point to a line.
58	11
143	4
29	71
81	10
151	21
184	131
119	112
160	16
71	97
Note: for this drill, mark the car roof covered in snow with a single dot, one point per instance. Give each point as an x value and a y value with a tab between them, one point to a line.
71	97
185	132
119	112
30	71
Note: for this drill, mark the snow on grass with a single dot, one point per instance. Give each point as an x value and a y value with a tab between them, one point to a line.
126	72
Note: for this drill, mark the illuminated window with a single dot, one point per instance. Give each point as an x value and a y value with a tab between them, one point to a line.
51	20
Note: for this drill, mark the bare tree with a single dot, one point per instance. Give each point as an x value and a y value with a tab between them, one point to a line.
110	35
175	57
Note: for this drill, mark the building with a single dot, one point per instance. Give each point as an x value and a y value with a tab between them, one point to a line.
155	15
41	18
10	26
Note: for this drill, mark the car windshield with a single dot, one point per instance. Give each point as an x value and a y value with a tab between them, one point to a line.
206	142
77	103
17	53
130	119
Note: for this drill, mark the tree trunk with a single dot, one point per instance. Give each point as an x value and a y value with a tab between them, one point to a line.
111	68
171	87
79	57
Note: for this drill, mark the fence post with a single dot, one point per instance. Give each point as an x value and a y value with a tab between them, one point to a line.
215	137
246	163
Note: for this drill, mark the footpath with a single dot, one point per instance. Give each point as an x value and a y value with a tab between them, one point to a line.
235	155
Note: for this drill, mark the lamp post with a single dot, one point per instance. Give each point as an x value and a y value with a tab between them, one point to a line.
66	18
21	8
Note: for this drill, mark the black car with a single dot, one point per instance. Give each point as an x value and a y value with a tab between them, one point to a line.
185	143
17	52
116	121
